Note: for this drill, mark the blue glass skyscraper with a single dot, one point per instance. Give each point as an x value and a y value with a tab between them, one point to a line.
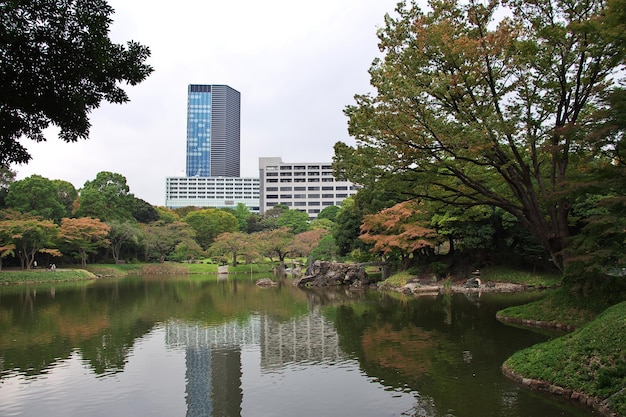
213	131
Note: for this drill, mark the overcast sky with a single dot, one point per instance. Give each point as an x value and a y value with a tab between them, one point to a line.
296	64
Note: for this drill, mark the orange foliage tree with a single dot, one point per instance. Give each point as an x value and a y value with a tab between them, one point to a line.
401	230
84	235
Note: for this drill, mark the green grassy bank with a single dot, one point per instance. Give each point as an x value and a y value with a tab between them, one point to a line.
588	364
42	275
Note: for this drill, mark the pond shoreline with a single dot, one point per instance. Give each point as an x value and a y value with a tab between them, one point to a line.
596	404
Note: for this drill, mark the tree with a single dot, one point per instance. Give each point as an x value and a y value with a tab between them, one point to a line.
400	230
121	233
166	215
144	212
275	242
329	213
296	220
161	239
7	176
28	235
472	111
37	196
66	195
84	235
57	64
242	213
210	223
107	197
235	243
304	243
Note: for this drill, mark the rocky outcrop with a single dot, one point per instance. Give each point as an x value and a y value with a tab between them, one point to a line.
327	274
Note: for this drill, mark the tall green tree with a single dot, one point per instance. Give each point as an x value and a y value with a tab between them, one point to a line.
107	197
37	196
57	64
296	220
242	213
120	233
144	212
475	109
66	194
210	223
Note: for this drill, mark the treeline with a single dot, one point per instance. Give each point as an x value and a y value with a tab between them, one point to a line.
49	221
45	222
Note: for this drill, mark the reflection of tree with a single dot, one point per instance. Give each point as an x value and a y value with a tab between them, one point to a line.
434	346
41	325
408	350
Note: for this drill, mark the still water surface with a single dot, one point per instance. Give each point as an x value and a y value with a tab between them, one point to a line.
181	346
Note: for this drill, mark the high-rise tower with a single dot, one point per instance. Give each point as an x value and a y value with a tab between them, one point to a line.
213	132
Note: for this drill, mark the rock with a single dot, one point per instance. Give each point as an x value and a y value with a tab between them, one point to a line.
326	274
473	282
265	282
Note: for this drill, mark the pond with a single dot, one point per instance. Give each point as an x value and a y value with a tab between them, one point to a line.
199	346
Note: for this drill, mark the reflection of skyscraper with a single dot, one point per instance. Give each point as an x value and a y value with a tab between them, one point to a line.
198	376
213	131
213	382
213	360
226	394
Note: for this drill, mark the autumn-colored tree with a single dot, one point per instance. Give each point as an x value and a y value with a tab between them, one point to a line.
304	243
29	236
400	230
84	235
497	104
6	250
234	243
274	243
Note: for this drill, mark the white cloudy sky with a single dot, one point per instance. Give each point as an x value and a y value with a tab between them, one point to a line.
297	65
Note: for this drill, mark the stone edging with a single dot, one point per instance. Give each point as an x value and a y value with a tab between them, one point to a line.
598	405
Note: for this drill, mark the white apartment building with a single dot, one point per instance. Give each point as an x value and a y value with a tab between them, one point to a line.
304	186
218	192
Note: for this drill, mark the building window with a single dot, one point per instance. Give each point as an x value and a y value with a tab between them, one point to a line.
299	188
299	196
314	203
272	189
272	196
285	188
314	196
342	195
327	203
314	180
328	195
285	196
314	188
299	203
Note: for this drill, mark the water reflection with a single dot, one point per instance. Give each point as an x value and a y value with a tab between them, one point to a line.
203	347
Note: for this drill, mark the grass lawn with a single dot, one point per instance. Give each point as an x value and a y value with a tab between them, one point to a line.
43	275
590	360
